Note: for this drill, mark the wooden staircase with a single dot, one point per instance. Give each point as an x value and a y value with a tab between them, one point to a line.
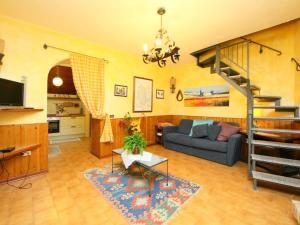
231	62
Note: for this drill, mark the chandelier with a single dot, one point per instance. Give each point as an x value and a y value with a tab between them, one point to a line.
164	46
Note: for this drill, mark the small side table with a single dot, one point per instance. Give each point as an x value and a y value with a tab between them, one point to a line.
159	134
159	131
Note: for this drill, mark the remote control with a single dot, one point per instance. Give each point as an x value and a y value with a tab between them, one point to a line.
5	150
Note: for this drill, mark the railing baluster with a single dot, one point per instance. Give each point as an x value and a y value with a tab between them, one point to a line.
243	55
237	53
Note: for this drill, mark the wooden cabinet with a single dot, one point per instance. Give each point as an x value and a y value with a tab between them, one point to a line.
71	125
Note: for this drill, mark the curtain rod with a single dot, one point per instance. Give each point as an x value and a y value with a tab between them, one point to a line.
45	46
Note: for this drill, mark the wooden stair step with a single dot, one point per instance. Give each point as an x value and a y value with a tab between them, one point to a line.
278	118
266	98
276	131
293	182
276	107
207	62
235	76
294	109
276	144
225	68
276	160
252	87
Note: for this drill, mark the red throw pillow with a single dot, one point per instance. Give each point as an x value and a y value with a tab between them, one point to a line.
227	131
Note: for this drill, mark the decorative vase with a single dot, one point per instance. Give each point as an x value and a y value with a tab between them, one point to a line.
136	151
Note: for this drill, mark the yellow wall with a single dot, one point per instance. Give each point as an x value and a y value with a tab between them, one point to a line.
297	56
190	75
24	56
275	75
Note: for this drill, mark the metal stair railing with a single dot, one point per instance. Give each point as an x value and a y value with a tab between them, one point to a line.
239	55
233	62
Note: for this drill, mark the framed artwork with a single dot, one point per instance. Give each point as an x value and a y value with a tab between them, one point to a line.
142	94
217	95
121	90
160	94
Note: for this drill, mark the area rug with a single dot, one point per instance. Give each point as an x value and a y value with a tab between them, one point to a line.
129	194
53	151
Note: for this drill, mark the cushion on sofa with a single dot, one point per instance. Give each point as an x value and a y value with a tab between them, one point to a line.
213	131
199	122
185	126
199	143
177	138
206	144
199	131
227	131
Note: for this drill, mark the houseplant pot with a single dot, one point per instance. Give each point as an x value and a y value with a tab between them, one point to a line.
134	144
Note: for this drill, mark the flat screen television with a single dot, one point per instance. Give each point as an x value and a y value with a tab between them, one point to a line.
11	93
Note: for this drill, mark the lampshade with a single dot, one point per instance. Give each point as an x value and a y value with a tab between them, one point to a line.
57	81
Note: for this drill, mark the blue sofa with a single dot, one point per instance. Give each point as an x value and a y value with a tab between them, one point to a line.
177	138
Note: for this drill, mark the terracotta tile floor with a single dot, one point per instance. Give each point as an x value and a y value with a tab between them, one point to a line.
64	196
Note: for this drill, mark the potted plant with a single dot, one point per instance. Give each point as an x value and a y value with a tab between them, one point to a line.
135	144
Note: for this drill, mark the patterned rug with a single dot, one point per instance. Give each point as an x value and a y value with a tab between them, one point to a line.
129	194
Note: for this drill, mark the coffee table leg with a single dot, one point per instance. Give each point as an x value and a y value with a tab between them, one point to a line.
112	162
149	179
149	183
167	172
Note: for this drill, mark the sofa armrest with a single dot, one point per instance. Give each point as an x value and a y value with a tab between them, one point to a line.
234	149
169	129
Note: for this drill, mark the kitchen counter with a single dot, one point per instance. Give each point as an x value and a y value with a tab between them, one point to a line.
69	115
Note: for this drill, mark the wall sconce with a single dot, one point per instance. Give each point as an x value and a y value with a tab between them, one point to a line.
1	57
172	85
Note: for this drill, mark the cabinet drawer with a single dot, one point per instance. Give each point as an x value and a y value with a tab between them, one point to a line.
71	121
72	130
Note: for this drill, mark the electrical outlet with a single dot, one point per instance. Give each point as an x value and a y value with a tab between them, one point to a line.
27	153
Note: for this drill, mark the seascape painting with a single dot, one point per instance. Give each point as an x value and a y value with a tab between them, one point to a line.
217	95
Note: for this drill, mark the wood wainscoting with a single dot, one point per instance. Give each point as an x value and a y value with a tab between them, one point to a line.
20	136
148	128
104	149
241	121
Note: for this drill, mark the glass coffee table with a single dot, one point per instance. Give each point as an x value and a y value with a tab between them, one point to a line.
147	165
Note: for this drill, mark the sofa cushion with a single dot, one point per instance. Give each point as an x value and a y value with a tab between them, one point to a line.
198	143
177	138
206	144
199	122
227	131
213	132
199	131
185	126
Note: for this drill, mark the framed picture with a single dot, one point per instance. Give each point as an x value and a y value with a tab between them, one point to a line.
121	90
142	94
217	95
160	94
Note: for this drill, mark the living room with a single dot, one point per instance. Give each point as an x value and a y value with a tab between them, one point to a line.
221	186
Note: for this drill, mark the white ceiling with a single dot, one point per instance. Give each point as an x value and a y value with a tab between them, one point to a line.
128	24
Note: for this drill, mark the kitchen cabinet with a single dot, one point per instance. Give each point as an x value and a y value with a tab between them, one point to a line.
72	125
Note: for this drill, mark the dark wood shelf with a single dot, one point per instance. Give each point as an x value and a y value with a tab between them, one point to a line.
20	110
19	150
62	98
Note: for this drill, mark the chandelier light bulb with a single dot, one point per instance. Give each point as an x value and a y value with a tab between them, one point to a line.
146	48
57	81
158	42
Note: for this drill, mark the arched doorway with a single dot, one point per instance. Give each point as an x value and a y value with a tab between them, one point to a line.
68	120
